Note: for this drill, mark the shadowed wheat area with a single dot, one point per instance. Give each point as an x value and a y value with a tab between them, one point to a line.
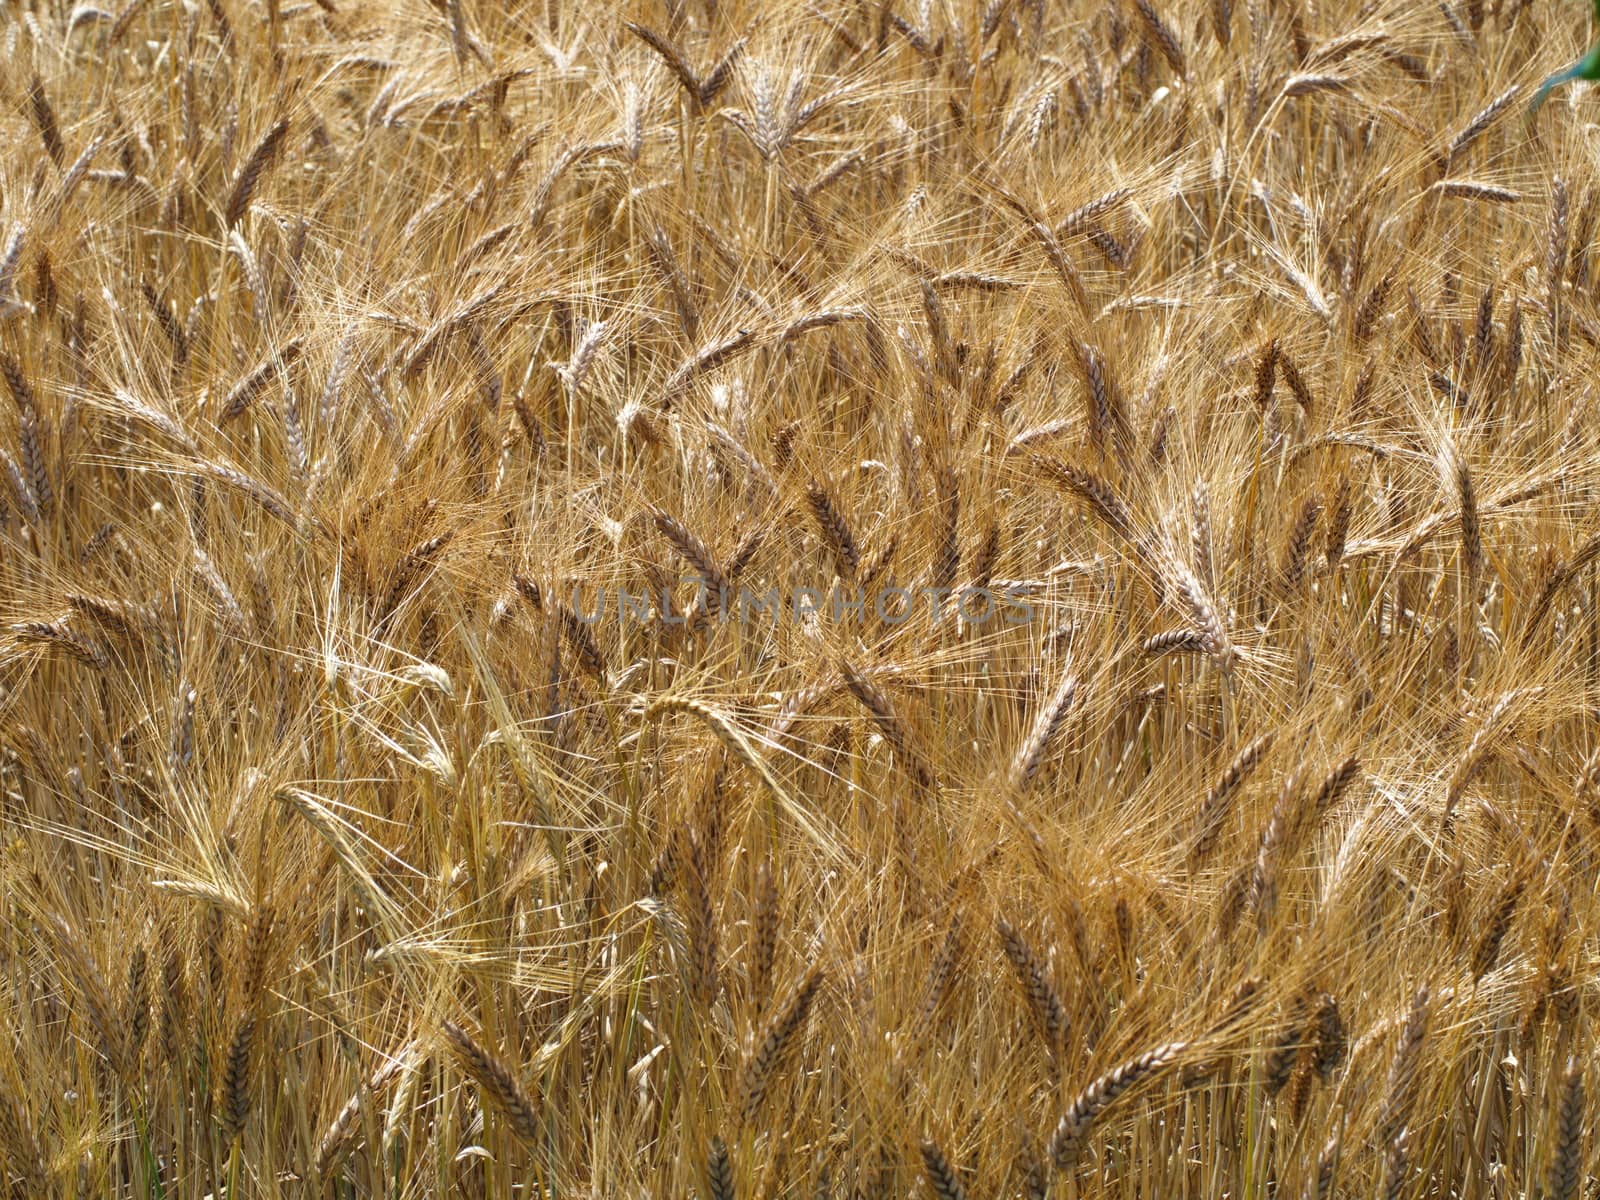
1138	739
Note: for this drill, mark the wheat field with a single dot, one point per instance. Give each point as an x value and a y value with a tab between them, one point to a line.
748	598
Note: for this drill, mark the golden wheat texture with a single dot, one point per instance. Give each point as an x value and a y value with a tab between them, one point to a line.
353	352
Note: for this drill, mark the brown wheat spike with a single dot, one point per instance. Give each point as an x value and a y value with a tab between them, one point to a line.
1266	373
889	723
763	935
773	1043
1487	951
1030	754
942	976
1300	1086
985	557
1095	491
1081	216
1041	232
243	393
1164	39
1066	1143
941	1175
1108	421
1480	123
260	161
1565	1170
1471	530
704	980
1297	550
1204	614
1173	640
1320	1185
835	530
708	358
1214	808
1396	1164
1513	350
31	442
167	323
719	1170
694	552
1403	1069
379	907
1371	308
1556	251
21	489
44	119
1277	842
1288	1048
1473	189
20	1149
666	264
336	1138
136	1008
578	635
947	548
1044	1002
92	992
1340	510
237	1077
497	1082
1333	787
55	635
1298	387
1332	1042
